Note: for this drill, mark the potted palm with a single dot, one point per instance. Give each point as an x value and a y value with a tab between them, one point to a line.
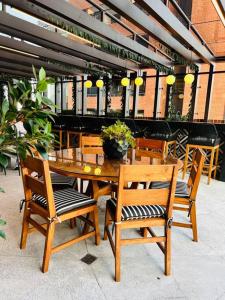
32	111
117	138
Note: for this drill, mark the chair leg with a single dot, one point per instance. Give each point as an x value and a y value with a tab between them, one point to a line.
25	227
168	251
73	223
216	162
185	161
96	224
117	252
145	232
194	222
107	223
48	246
211	165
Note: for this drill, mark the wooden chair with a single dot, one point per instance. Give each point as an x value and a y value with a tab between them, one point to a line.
156	147
185	194
142	208
53	207
93	145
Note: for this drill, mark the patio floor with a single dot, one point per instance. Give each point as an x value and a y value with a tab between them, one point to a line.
198	269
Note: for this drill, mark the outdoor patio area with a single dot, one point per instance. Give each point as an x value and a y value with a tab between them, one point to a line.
198	269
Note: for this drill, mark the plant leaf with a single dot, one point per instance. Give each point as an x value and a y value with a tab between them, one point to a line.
2	234
42	74
1	190
34	72
3	160
2	222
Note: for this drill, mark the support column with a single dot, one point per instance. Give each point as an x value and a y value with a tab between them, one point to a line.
78	95
84	96
155	109
209	92
100	104
127	98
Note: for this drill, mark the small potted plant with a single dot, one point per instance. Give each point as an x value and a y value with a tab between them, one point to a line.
117	138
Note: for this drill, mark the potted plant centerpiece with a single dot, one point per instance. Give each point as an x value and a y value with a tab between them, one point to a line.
117	138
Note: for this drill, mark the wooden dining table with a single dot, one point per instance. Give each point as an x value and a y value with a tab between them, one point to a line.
93	164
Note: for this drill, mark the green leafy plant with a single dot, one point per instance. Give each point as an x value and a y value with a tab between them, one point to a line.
32	111
119	132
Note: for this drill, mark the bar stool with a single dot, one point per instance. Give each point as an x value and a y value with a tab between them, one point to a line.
160	130
204	136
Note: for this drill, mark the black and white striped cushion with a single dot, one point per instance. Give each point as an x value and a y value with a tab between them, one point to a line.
137	211
181	188
58	179
65	200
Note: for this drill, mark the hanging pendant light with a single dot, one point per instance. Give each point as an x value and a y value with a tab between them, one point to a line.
189	78
139	81
88	84
99	83
170	79
125	81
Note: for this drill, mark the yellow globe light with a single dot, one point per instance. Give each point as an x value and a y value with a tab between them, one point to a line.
87	169
88	84
125	81
189	78
99	83
98	171
170	79
139	81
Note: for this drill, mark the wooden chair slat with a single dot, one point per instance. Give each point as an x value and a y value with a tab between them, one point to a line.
145	197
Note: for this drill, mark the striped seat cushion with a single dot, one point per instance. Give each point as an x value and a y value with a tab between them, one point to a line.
65	200
58	179
136	212
181	188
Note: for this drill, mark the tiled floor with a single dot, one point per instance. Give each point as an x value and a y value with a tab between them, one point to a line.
198	269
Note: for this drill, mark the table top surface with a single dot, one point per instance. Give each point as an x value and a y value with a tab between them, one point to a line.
93	164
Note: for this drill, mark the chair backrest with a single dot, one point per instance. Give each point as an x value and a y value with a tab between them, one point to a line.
91	144
37	180
154	146
146	173
195	173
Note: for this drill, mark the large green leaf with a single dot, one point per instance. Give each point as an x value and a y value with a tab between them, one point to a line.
34	72
42	86
2	234
3	160
5	106
1	190
2	222
42	74
42	151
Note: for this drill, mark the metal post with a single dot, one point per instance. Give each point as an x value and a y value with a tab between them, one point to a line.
84	96
127	99
61	84
168	91
156	95
209	92
194	92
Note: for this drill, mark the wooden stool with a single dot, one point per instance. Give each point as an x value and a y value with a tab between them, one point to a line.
208	168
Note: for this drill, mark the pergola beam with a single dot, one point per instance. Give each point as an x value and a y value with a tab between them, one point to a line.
29	61
27	31
135	15
67	12
20	67
43	53
163	14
